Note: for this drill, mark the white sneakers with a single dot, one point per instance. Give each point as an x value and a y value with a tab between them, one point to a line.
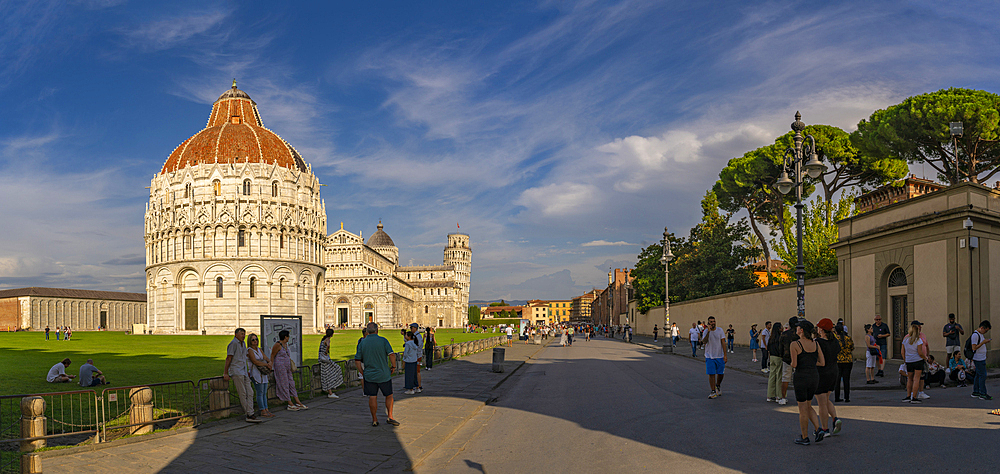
782	401
713	395
923	396
332	395
409	392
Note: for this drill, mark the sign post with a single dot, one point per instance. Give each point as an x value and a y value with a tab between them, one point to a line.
271	325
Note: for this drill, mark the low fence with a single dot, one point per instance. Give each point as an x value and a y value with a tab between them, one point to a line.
30	422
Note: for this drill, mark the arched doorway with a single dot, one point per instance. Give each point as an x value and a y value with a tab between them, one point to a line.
342	312
898	310
369	312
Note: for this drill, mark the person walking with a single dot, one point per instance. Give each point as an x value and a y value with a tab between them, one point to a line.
764	357
418	338
563	337
510	335
429	343
236	370
914	355
69	332
284	381
57	332
730	338
979	341
675	334
828	376
881	332
774	363
46	333
715	356
754	345
806	360
872	355
694	334
952	332
260	368
785	340
331	376
411	358
656	331
376	357
845	363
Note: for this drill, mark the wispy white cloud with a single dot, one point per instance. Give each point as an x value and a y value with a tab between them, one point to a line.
171	32
605	243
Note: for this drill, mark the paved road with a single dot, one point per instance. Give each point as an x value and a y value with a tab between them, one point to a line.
605	406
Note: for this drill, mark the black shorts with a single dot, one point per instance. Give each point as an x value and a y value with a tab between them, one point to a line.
827	381
805	386
371	389
914	366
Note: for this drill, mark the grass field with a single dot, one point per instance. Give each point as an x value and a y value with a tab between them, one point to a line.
133	360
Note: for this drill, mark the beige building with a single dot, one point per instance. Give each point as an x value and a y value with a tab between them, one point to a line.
236	228
85	310
579	310
537	311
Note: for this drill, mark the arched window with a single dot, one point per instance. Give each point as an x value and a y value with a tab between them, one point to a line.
246	187
218	287
217	187
281	240
281	288
253	287
897	278
274	189
426	309
241	237
187	190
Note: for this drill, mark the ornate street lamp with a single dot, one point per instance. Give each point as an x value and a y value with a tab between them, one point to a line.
801	161
610	295
665	260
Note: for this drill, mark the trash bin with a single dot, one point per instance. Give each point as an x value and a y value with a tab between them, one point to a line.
498	354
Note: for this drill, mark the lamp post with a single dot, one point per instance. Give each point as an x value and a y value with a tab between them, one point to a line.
665	260
967	224
800	160
610	295
956	131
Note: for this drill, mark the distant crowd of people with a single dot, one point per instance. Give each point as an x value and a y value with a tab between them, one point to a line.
65	331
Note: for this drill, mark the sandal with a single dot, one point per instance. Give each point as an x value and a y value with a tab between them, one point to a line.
995	412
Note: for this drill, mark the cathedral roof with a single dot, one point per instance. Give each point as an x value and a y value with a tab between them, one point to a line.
380	238
234	134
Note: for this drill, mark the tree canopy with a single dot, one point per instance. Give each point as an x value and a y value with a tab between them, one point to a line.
817	236
917	130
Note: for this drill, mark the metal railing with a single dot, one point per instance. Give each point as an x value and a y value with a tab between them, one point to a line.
75	416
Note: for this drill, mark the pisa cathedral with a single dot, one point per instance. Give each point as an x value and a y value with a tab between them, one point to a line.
235	228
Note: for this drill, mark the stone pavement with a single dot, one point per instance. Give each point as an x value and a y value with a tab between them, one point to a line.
742	360
333	435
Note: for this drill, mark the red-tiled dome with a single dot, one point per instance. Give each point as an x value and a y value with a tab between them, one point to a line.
234	134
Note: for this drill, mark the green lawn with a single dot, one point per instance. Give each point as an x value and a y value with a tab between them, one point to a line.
134	360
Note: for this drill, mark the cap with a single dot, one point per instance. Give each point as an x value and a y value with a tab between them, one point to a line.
916	323
825	324
414	325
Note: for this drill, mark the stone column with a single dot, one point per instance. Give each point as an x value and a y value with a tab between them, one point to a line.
32	423
237	295
218	397
142	410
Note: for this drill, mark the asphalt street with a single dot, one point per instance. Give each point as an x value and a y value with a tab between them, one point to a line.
605	406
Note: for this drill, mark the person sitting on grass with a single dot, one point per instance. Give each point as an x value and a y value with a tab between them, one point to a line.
87	378
57	374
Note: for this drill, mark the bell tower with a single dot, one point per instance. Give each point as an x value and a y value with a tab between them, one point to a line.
458	254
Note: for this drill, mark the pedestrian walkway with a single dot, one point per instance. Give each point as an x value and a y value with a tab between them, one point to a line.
332	436
742	360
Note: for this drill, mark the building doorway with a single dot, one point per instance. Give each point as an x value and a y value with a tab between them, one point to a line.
341	316
191	314
369	313
104	320
900	316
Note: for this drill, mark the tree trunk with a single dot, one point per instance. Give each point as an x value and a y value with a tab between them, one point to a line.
763	247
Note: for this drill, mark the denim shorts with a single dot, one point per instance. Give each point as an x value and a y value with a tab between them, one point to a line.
715	366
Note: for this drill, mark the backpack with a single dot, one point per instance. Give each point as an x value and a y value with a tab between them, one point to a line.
968	352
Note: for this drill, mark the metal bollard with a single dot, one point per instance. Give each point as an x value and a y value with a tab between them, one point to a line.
498	355
142	410
32	423
218	398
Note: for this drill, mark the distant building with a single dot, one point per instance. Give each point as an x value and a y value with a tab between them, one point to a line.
777	272
579	311
892	193
619	292
84	310
559	311
494	312
537	312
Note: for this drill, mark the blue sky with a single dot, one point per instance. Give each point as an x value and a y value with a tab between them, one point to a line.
562	136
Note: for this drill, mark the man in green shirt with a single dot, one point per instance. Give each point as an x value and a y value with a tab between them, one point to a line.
376	362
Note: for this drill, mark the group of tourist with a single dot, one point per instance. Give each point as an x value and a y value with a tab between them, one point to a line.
90	376
249	367
65	331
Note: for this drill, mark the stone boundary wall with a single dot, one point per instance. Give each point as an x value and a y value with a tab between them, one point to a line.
743	308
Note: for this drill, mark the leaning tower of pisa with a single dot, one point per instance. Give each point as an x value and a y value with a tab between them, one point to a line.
458	253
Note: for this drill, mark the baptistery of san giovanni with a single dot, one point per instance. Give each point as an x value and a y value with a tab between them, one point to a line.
235	228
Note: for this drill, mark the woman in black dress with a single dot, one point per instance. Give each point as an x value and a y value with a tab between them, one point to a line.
828	375
806	360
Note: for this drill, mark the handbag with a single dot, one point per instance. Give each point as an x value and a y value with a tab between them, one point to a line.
873	351
264	370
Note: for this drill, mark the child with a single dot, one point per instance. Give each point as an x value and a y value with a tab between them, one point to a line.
411	359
